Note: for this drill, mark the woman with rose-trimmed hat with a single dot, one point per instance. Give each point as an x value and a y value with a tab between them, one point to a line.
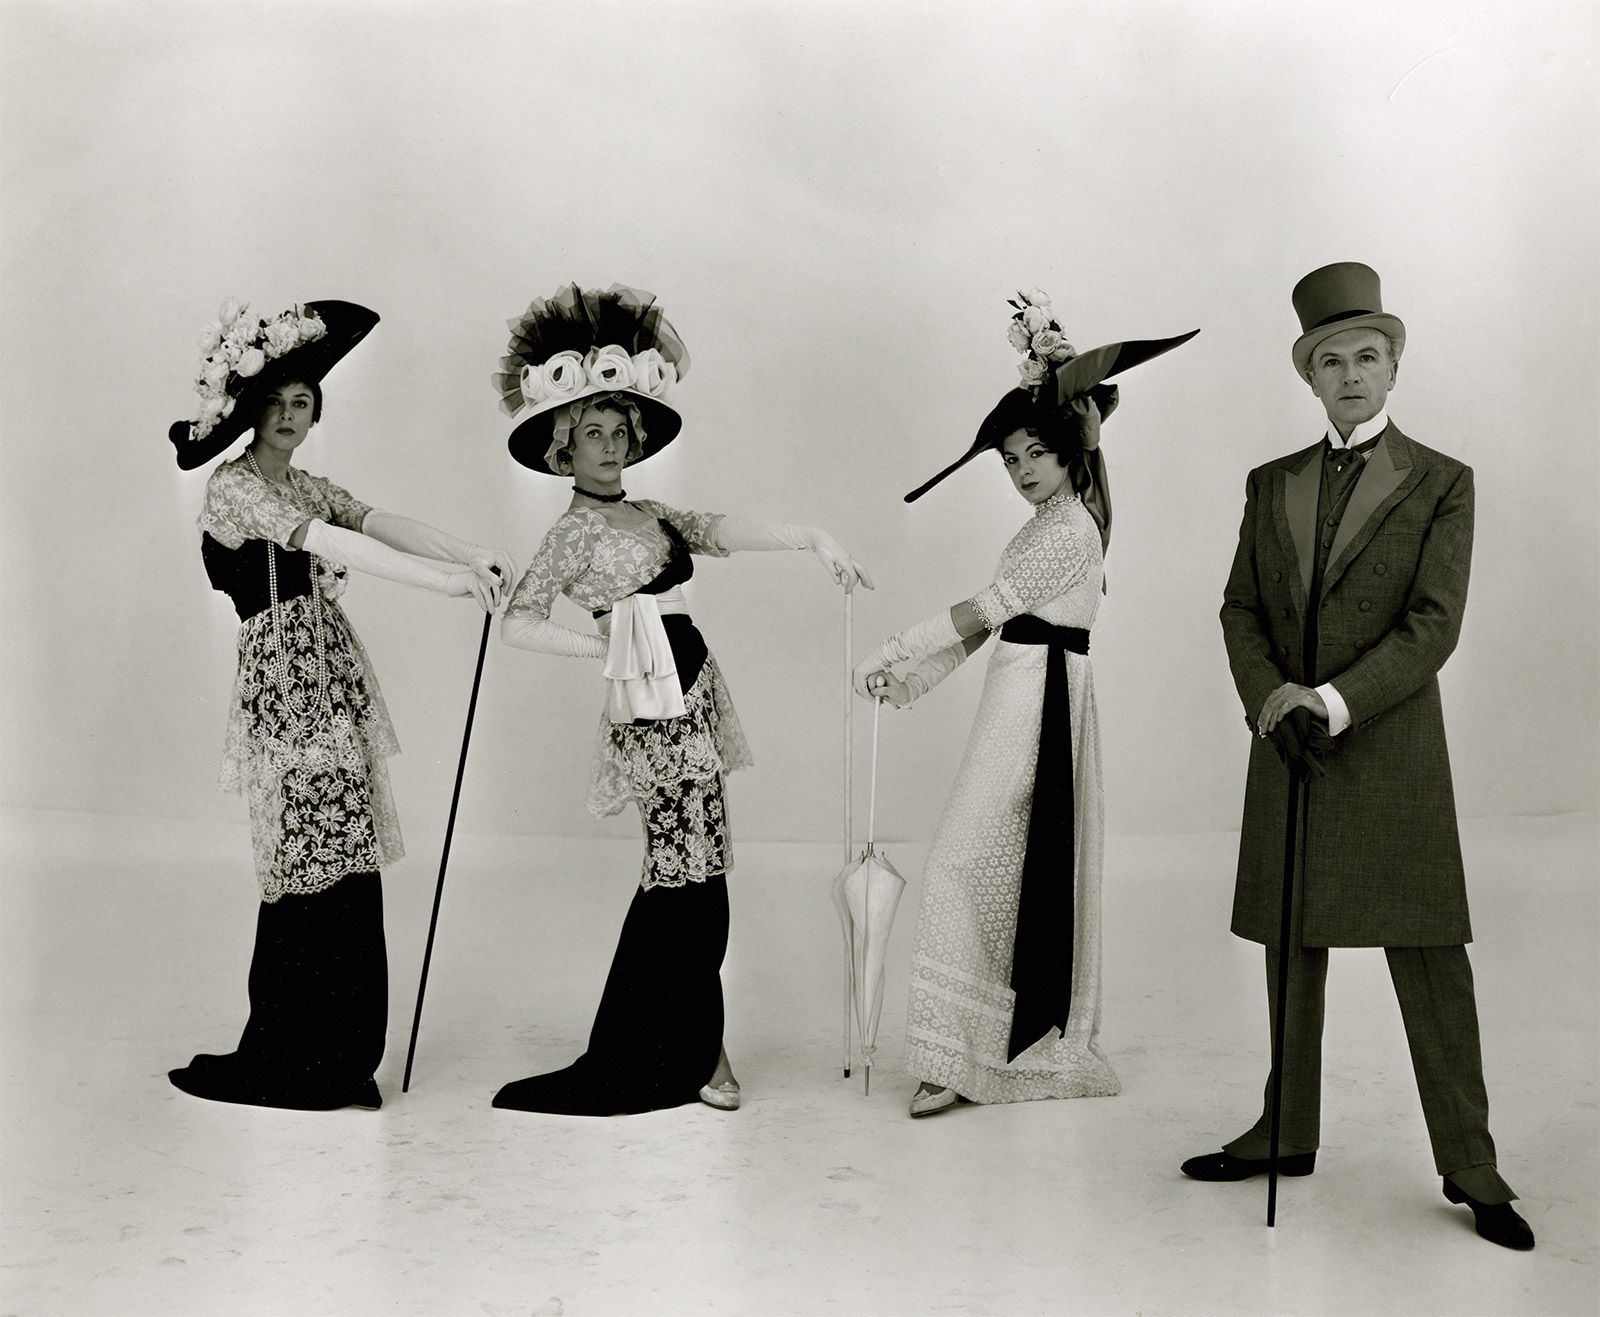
595	372
307	729
1005	978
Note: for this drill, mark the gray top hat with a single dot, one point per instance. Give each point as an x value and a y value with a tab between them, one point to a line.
1335	298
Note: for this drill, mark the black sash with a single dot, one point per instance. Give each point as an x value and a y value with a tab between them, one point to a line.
1041	956
241	573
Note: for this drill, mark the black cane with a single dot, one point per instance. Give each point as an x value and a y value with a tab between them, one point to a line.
1281	1015
444	858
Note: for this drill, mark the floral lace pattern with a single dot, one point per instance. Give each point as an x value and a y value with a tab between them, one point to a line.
594	563
672	768
309	758
240	506
960	1010
1045	561
307	727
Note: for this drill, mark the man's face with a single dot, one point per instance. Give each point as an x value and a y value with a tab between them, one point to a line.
1352	373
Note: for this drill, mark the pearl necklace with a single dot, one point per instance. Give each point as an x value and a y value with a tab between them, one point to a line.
303	712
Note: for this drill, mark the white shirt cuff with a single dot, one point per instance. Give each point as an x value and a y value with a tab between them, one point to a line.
1338	713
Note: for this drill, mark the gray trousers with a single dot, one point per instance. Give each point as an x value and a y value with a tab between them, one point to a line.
1434	988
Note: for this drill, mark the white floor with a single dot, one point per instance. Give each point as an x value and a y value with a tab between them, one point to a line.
126	944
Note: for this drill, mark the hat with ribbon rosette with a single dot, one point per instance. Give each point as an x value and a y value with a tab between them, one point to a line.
247	357
582	343
1053	374
1334	298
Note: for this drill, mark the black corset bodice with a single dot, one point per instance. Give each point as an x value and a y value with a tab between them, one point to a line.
242	575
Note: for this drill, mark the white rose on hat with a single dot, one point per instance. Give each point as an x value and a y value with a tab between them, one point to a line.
564	375
652	373
611	367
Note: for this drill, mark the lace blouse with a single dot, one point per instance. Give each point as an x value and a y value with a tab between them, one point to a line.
1055	552
240	506
594	563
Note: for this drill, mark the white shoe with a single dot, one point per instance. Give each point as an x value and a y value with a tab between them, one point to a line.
927	1104
724	1097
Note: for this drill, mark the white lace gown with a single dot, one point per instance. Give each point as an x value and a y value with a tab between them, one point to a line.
960	1011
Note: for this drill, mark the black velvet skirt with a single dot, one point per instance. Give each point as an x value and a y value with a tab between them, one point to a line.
319	1006
658	1031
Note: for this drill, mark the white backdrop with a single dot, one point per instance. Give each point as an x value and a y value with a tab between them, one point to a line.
832	201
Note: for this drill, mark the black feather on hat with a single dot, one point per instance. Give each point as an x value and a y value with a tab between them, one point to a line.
582	342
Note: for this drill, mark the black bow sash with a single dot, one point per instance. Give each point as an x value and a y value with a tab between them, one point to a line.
1041	956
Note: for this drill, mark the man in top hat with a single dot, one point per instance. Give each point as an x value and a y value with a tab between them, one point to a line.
1345	599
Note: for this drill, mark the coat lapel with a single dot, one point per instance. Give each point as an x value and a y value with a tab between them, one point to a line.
1297	515
1389	468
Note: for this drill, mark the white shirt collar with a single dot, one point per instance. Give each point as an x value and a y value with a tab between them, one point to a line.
1366	430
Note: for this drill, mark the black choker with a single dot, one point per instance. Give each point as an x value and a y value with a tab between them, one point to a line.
601	498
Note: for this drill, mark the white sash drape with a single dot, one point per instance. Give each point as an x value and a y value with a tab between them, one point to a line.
641	676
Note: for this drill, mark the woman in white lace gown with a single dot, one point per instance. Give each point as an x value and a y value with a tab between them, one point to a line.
1005	977
963	1030
308	732
596	368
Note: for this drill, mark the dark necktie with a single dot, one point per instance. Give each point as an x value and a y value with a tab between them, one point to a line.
1341	458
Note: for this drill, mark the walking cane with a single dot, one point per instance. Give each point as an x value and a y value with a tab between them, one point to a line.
444	858
1280	1016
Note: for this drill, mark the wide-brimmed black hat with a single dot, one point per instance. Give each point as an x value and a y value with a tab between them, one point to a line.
289	347
583	343
1079	376
1337	297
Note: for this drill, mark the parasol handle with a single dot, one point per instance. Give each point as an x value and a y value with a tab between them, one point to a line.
872	797
849	720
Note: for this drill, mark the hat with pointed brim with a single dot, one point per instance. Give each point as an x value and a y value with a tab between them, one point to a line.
1337	297
1082	375
345	323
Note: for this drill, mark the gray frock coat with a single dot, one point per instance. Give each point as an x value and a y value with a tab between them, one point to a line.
1381	858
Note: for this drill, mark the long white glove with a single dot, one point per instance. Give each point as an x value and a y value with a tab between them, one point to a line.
543	636
362	553
741	533
928	636
933	669
412	536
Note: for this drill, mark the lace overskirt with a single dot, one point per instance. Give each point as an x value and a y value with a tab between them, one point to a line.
960	1011
673	768
307	736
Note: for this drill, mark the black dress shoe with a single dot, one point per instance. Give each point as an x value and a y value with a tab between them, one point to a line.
1499	1223
1225	1166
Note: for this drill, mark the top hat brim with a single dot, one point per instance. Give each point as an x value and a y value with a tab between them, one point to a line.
346	325
1084	374
1307	343
530	441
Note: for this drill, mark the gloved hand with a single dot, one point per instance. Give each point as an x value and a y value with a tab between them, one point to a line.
362	553
927	637
546	637
412	536
1302	739
737	533
904	691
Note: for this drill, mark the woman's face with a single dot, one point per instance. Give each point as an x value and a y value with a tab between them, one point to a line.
1034	469
285	417
599	448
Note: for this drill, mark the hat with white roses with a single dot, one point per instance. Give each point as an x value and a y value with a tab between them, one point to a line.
580	343
246	357
1053	374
